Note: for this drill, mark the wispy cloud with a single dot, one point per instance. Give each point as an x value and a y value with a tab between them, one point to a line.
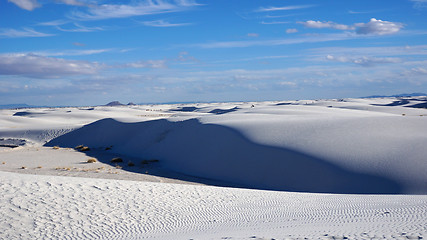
274	22
26	4
419	70
32	65
329	24
365	61
419	4
25	32
48	65
283	8
374	28
74	3
291	30
32	4
251	59
72	52
145	64
163	23
79	44
277	42
360	12
281	16
373	51
148	7
58	22
79	28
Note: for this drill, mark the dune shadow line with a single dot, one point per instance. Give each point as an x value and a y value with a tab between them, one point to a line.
218	153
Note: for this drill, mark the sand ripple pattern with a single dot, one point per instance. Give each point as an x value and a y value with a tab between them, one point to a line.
47	207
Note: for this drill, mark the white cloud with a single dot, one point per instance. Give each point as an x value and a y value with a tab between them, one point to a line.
329	24
251	59
72	2
291	30
32	4
146	64
80	28
54	23
162	23
378	27
373	51
419	70
26	4
71	52
277	42
184	58
363	60
26	32
147	7
284	8
318	81
287	84
32	65
373	27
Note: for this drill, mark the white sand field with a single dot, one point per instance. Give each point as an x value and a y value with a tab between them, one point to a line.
316	169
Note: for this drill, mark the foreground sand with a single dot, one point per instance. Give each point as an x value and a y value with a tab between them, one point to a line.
349	146
53	207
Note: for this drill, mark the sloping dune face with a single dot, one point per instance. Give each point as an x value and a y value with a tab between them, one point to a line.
222	153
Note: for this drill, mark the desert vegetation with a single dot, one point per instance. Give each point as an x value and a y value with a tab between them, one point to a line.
116	160
82	148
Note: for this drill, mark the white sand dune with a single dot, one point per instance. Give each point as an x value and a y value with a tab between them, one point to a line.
52	207
349	146
295	148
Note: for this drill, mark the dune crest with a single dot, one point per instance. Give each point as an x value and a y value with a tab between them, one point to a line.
221	153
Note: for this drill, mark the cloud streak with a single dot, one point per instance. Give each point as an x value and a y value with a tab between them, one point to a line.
148	7
274	22
277	42
26	32
33	4
72	52
364	60
163	23
420	4
79	28
145	64
73	2
283	8
329	24
29	5
48	65
36	66
373	51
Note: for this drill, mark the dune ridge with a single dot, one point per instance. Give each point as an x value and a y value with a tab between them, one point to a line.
220	153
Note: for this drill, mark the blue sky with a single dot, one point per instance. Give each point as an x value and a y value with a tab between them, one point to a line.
83	52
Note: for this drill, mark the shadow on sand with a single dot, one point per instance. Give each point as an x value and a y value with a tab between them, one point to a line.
218	155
